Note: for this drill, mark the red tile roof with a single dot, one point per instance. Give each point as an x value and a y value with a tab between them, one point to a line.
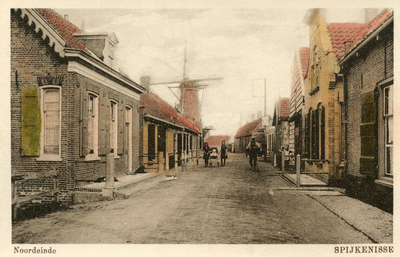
346	36
157	107
65	28
343	34
370	27
249	128
284	109
304	57
217	140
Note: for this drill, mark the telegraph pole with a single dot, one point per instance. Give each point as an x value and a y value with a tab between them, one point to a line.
265	94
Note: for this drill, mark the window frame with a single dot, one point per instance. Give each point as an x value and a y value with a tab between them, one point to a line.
113	127
383	177
42	155
94	148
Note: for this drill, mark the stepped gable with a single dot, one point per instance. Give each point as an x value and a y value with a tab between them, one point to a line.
249	128
157	107
65	28
304	58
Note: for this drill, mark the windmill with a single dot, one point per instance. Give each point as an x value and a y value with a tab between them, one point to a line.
188	92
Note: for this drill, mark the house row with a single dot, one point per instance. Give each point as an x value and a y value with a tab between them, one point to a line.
71	109
341	104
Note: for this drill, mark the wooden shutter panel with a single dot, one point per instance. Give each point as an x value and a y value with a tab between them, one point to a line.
31	122
322	139
121	126
314	142
367	133
307	135
84	123
104	117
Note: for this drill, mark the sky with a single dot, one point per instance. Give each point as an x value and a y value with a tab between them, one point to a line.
242	46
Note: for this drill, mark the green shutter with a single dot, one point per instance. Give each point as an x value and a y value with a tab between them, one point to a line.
367	133
31	122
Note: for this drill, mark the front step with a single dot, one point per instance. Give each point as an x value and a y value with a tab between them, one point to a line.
305	180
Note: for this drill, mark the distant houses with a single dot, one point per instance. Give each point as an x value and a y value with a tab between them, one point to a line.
244	133
216	141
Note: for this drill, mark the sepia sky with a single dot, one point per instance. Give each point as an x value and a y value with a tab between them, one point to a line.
240	45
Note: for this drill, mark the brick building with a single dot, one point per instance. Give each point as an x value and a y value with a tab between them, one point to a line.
168	137
324	146
69	106
368	72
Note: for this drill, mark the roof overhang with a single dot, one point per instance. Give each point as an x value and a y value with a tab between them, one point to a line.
146	115
55	39
85	59
366	40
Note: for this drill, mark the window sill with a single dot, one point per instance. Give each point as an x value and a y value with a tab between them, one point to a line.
385	181
92	157
49	158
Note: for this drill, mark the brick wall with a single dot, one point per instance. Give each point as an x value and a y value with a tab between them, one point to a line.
361	77
362	72
32	57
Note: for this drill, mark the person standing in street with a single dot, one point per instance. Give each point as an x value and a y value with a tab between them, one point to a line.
206	153
253	148
224	154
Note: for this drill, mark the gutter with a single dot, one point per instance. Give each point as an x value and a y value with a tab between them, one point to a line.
168	122
93	62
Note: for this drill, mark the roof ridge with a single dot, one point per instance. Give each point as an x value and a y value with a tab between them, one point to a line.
64	27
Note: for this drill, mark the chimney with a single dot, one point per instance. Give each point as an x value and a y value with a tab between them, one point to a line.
145	82
101	44
66	17
370	13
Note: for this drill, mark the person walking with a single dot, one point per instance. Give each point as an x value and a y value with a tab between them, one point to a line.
224	154
206	153
253	148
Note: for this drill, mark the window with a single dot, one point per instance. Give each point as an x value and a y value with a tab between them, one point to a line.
50	147
384	133
113	127
128	136
93	123
388	129
151	140
315	133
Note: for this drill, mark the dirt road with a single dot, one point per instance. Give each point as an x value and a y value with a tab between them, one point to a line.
214	205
